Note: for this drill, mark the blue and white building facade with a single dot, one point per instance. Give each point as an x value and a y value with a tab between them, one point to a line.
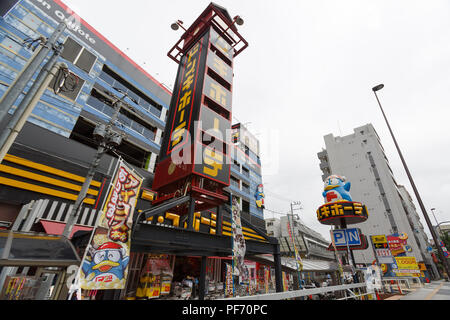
56	142
246	174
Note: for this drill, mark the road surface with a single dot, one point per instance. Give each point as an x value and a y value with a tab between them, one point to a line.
436	290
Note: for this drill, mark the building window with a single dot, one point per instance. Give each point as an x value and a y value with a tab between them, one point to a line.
246	172
234	182
245	187
83	133
99	101
116	81
245	206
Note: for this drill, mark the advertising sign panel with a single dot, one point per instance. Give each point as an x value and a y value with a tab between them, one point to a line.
353	212
239	246
384	256
197	136
380	241
182	103
398	243
407	266
105	266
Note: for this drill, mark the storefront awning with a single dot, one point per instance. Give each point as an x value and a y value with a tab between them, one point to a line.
36	249
57	228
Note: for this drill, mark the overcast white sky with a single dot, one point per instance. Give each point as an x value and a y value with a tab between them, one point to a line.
308	72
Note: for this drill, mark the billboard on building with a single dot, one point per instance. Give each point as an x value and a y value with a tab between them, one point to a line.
196	139
407	267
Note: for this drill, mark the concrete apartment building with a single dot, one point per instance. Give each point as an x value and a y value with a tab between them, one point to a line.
361	159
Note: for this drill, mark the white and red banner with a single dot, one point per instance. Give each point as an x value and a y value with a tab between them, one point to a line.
239	246
105	265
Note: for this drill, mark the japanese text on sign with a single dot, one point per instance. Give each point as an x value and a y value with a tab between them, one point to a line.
185	98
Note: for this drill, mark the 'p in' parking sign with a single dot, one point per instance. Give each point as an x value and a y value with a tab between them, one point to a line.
342	237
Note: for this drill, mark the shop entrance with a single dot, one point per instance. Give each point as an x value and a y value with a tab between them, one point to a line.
34	265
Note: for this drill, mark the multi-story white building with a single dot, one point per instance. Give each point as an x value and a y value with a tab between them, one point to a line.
361	159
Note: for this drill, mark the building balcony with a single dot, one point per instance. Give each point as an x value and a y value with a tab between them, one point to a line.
324	165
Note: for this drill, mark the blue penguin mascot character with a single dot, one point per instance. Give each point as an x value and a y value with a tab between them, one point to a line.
336	189
108	259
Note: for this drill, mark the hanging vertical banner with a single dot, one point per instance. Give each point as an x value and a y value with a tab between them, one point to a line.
229	280
285	281
266	279
105	264
238	240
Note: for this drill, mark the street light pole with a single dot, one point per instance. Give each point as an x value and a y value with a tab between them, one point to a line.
416	192
432	211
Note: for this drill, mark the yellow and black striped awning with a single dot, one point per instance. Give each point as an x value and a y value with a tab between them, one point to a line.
28	175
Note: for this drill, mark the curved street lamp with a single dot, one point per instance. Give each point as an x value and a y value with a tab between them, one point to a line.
416	192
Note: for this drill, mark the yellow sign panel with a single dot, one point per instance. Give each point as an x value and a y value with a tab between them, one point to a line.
406	263
379	239
407	266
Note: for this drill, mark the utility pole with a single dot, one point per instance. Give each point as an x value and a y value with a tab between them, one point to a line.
17	87
294	239
26	106
107	139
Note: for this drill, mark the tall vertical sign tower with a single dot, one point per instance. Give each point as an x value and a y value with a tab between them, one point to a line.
195	153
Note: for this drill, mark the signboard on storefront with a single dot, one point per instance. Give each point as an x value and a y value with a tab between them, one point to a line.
407	266
384	255
380	241
353	212
381	249
398	244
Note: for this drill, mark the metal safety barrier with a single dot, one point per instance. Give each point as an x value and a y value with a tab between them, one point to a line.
347	288
401	284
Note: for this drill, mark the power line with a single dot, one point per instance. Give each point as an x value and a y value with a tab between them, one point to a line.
276	212
276	195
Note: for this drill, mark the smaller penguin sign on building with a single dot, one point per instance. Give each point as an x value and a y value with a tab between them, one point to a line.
259	196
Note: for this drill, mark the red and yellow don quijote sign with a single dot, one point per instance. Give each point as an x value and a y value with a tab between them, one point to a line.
105	264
